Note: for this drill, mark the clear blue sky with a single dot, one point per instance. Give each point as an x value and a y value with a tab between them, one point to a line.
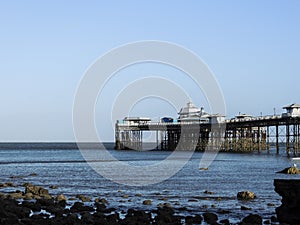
252	47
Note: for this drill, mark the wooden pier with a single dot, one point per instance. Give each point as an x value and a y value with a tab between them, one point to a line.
240	134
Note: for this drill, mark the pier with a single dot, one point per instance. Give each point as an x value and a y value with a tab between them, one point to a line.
196	130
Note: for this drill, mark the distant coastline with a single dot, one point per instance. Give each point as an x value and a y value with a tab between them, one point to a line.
52	145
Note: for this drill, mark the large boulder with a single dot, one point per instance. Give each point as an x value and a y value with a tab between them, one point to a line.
252	219
288	212
246	195
210	218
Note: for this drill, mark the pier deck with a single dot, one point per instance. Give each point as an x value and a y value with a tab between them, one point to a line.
238	134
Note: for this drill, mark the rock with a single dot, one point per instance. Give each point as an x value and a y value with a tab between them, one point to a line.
147	202
245	208
83	198
53	186
203	168
101	200
45	202
167	205
37	191
166	215
100	207
290	170
60	198
274	219
28	196
246	195
16	177
80	207
210	218
137	217
225	222
208	192
15	195
289	210
252	219
197	219
87	218
9	184
34	206
33	175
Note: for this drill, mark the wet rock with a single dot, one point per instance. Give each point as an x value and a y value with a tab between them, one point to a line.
46	202
203	168
28	196
252	219
274	219
166	204
101	200
246	195
37	191
290	170
87	218
100	207
210	218
197	219
163	199
15	195
33	174
84	198
34	206
147	202
16	177
2	196
71	219
80	207
225	222
208	192
60	198
166	215
9	184
53	187
137	217
245	208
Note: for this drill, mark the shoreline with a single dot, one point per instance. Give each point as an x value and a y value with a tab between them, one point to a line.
39	206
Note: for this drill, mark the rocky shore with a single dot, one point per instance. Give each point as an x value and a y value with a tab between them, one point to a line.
35	205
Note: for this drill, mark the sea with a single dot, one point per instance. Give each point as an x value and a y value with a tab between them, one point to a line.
189	191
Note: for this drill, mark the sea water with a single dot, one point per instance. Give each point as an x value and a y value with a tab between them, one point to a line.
228	174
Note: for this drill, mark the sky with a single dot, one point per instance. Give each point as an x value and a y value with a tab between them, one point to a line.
251	47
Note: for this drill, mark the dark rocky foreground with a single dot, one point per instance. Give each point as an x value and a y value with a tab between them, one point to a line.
289	211
35	205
